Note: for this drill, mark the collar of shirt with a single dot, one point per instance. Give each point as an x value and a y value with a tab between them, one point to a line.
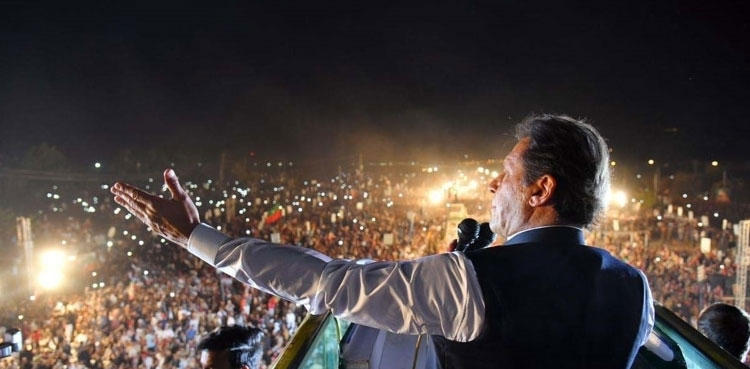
554	233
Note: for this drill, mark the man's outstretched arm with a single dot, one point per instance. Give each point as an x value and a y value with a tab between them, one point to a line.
438	294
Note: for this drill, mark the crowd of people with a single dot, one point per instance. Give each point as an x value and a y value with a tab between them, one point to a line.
145	302
133	300
667	249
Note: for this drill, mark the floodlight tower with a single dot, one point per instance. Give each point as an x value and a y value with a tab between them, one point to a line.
743	259
23	232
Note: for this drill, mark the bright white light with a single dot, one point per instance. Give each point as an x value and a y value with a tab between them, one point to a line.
715	163
495	174
650	161
435	196
620	198
50	279
480	170
97	165
52	259
684	196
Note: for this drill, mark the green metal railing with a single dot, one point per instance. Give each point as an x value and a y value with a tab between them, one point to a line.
317	344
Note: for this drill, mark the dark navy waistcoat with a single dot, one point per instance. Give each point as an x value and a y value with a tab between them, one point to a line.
552	302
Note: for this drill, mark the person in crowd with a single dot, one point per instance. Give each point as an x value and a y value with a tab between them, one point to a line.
232	347
728	326
544	300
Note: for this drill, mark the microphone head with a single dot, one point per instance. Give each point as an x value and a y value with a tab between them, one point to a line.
485	238
468	231
485	233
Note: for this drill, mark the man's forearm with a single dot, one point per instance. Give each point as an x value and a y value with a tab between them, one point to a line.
286	271
437	294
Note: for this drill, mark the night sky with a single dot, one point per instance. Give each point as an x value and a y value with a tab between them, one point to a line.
666	79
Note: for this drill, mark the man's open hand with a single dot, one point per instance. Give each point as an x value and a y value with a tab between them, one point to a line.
173	219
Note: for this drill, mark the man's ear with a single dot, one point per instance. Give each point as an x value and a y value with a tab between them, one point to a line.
542	190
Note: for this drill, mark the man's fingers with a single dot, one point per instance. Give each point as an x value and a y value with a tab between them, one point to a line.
135	193
133	208
170	178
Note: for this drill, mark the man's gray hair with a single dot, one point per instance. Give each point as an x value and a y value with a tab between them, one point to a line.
575	154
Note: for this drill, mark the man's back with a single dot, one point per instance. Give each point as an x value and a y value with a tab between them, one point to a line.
554	304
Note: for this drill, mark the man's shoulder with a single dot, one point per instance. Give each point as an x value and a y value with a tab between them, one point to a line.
600	257
611	262
617	269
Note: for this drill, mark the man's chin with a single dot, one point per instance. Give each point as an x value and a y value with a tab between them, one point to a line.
497	229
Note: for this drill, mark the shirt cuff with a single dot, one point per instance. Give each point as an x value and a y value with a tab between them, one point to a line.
204	242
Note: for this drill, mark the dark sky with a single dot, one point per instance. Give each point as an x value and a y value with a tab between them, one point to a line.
666	79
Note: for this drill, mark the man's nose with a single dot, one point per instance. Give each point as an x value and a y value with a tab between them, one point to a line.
494	183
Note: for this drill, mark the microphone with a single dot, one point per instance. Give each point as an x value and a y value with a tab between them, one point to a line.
468	231
474	236
486	237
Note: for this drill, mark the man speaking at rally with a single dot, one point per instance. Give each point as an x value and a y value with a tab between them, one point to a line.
544	299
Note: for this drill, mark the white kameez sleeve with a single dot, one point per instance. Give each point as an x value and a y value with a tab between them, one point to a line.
437	294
